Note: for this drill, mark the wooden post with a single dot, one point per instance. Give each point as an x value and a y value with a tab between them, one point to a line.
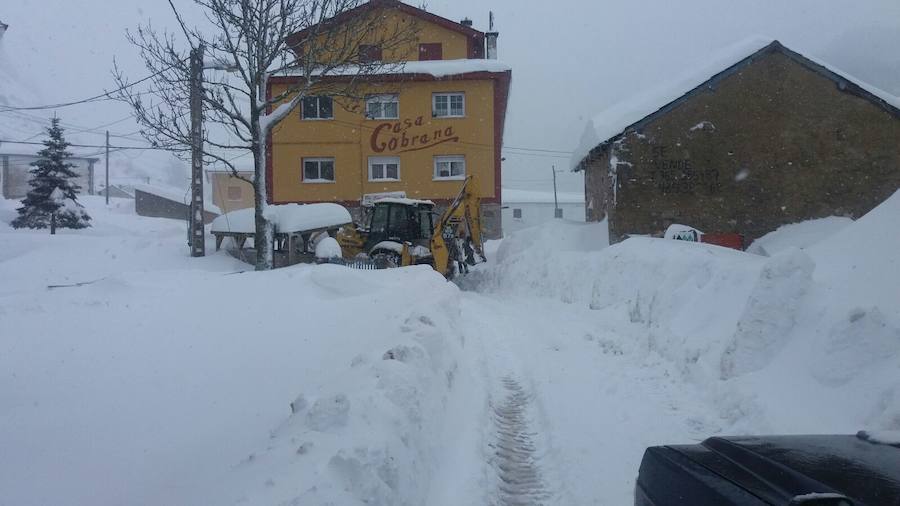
197	239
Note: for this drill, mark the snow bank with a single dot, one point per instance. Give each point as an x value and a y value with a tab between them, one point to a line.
546	259
285	217
804	340
859	265
769	314
798	235
163	379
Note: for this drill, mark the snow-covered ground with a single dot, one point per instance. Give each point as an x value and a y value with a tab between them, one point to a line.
171	380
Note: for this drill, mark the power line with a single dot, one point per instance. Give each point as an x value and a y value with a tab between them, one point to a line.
97	146
72	127
96	98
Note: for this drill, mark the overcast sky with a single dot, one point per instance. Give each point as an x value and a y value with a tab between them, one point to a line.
570	59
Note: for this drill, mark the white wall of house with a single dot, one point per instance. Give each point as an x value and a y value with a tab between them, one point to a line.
523	208
15	174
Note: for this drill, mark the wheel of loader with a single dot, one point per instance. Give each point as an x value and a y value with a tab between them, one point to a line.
385	259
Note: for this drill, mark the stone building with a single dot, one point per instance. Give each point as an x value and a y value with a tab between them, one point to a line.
771	138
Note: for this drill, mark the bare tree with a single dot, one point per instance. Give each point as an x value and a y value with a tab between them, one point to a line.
312	41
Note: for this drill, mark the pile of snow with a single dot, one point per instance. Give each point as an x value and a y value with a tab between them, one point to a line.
285	217
802	341
546	259
145	376
327	248
863	267
798	235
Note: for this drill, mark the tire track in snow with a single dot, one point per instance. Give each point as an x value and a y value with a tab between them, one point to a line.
515	457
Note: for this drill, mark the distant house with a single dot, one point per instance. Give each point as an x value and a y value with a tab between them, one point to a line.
524	208
162	202
14	173
118	191
762	137
228	192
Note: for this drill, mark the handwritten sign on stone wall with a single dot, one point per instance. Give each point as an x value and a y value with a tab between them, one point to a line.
670	175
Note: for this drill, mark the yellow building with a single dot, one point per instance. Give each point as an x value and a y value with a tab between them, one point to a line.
419	129
229	192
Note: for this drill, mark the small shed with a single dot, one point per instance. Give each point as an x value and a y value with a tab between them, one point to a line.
527	208
117	191
295	226
759	137
164	202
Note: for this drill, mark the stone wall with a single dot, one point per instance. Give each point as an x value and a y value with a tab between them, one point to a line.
772	143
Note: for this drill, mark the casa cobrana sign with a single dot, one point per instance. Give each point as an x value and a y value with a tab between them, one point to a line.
409	135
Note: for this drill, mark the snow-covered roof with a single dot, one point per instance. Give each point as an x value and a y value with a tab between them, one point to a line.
287	218
175	194
404	201
510	195
615	120
434	68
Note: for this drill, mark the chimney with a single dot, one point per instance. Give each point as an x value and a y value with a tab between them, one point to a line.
491	38
466	22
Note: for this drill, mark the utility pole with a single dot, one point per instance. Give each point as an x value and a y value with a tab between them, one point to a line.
196	237
107	167
557	212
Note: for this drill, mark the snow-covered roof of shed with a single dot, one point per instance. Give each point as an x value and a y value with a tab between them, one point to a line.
434	68
287	218
616	120
176	195
510	196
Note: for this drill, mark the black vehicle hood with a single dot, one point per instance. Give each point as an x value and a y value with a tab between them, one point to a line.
777	468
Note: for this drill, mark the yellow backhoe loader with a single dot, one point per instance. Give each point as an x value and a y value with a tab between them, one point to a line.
403	231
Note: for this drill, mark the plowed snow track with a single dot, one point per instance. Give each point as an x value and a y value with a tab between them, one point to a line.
515	453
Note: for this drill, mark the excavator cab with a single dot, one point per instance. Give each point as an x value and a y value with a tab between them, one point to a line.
394	222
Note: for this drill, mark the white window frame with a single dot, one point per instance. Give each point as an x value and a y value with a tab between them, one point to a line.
385	98
383	160
449	158
449	94
317	118
318	159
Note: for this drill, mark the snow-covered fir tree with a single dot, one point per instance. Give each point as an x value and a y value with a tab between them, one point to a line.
49	173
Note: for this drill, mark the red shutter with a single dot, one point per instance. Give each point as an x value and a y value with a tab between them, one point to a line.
431	51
